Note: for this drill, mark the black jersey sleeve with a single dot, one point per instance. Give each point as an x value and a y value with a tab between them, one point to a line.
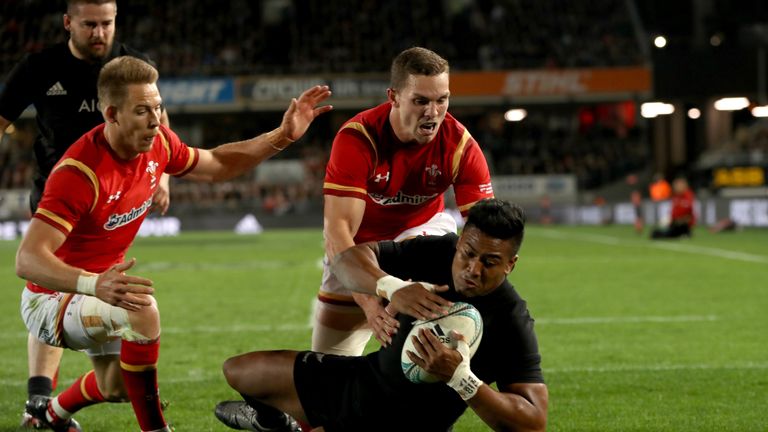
423	258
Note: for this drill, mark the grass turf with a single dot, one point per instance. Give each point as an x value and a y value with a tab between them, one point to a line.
634	334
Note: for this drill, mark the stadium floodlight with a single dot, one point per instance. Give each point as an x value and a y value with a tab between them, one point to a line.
515	114
655	109
731	103
660	41
694	113
760	111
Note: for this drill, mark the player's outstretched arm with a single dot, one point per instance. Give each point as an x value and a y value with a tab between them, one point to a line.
234	159
517	407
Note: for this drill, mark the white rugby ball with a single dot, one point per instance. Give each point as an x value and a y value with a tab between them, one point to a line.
461	317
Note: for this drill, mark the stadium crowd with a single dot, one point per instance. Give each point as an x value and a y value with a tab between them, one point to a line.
208	38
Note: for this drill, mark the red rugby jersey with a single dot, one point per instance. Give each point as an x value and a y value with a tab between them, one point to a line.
99	200
682	205
403	184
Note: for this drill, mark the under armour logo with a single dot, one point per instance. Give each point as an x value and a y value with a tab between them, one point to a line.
380	177
114	197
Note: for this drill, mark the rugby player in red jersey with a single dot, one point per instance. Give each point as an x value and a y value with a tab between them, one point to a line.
78	294
388	171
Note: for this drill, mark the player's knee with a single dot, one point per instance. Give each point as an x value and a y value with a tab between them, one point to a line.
144	323
150	311
233	369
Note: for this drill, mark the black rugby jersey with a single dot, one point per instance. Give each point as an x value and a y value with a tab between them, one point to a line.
63	90
508	352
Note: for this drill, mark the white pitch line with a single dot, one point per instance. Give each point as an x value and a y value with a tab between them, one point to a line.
659	244
657	368
627	319
594	238
711	251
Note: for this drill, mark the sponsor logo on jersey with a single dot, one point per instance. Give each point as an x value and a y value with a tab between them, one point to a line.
89	105
486	188
56	90
400	198
114	197
118	220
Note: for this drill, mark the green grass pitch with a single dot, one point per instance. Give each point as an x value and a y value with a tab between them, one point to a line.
635	335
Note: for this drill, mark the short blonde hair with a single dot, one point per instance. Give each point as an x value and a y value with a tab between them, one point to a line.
120	72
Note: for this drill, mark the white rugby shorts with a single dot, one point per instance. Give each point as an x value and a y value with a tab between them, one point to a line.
76	321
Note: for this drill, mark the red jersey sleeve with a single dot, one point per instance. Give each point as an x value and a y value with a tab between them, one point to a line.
353	157
70	192
181	158
472	181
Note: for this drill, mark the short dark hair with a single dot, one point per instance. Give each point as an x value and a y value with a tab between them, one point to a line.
72	3
120	72
415	61
498	219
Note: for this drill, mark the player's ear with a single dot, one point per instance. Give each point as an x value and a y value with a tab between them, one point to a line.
110	114
67	22
391	96
511	264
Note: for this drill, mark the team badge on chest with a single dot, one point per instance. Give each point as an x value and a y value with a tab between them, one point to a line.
433	173
152	169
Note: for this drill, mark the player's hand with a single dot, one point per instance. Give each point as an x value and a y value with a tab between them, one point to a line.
434	357
419	302
161	200
118	289
383	324
303	111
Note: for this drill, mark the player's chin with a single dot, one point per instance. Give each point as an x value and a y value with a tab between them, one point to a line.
423	137
466	291
144	146
98	51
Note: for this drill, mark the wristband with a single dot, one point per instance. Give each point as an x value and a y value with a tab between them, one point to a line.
86	284
388	285
463	380
290	141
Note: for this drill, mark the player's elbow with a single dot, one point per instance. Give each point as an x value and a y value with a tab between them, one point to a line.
23	265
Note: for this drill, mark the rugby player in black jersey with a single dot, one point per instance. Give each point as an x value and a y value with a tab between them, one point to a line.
371	393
